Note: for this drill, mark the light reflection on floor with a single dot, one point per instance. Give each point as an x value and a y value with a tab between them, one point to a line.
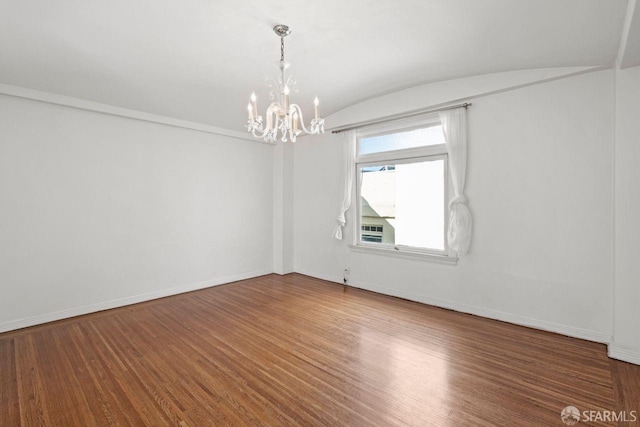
404	369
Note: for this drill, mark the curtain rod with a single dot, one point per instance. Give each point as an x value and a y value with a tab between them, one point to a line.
398	117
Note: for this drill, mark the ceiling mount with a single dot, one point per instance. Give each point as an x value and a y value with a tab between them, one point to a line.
282	30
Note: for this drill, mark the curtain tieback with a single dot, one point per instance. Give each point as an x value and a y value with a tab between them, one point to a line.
458	200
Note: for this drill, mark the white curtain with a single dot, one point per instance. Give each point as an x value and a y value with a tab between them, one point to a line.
454	126
349	165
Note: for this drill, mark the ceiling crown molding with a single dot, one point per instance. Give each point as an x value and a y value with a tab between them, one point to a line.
81	104
629	50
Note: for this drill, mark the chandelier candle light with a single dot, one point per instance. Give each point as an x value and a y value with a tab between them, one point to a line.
283	119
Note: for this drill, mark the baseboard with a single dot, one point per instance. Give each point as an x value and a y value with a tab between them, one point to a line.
121	302
475	310
325	277
623	354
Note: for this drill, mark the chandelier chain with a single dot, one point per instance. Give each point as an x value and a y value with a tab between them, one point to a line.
282	49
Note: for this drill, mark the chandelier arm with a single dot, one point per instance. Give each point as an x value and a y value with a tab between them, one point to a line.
271	112
297	108
292	134
261	129
254	125
273	134
262	133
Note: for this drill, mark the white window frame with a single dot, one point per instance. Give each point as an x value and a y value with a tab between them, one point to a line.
407	155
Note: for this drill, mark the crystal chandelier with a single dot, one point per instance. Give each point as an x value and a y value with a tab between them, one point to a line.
282	119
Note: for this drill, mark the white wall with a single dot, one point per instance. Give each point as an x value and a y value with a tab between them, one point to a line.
283	208
626	344
99	211
539	184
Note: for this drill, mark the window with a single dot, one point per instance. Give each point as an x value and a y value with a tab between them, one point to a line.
372	233
402	187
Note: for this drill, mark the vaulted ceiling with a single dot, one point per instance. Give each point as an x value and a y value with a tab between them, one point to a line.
198	60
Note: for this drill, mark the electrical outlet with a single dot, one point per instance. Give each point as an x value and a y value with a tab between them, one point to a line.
345	275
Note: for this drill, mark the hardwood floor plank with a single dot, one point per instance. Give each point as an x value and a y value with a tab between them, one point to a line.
626	380
32	397
9	401
293	350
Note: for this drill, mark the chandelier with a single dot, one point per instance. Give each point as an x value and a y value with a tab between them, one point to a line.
282	119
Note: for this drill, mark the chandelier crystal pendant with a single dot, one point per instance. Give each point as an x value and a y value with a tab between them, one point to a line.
283	119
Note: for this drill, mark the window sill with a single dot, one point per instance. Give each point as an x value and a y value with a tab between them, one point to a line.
422	256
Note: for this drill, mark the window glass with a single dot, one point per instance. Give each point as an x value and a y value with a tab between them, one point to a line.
396	141
405	202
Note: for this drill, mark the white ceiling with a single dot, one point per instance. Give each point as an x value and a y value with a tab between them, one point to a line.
198	60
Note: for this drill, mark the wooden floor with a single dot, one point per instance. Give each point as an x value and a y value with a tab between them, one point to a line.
294	350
